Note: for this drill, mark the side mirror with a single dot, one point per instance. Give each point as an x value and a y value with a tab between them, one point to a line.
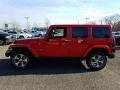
51	35
48	37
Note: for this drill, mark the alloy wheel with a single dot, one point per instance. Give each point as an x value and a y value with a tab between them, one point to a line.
20	60
97	61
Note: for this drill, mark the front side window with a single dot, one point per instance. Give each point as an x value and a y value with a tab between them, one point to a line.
100	32
79	32
58	33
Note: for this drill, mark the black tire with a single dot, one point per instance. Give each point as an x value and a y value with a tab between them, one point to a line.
23	59
21	37
2	42
96	61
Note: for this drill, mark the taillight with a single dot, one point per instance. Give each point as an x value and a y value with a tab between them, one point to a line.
112	43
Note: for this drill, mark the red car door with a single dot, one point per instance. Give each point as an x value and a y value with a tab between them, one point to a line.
80	42
58	43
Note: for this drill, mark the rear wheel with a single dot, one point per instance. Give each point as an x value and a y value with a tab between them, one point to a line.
20	60
96	61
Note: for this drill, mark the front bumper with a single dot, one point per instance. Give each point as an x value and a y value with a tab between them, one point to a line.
8	53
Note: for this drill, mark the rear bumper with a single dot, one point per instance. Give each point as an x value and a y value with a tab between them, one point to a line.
112	55
113	50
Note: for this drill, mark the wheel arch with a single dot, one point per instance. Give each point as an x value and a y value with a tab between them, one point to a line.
97	51
103	50
23	49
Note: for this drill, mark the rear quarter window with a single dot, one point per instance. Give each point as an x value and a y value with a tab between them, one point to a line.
100	32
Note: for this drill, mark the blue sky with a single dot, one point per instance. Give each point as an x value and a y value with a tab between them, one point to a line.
57	11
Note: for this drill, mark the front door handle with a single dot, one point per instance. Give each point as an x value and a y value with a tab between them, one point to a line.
66	40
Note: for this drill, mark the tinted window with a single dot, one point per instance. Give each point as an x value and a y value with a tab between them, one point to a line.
58	33
100	32
79	32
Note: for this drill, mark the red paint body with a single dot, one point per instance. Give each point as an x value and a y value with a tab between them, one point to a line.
68	46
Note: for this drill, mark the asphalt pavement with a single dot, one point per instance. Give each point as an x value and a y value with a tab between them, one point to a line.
59	75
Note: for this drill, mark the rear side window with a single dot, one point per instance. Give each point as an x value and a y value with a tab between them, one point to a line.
79	32
100	32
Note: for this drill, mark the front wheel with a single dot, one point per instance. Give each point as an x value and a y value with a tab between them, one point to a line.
20	60
96	61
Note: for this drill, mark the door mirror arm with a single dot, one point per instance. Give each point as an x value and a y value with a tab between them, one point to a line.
48	37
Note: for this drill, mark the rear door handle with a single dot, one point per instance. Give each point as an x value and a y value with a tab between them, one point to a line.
82	41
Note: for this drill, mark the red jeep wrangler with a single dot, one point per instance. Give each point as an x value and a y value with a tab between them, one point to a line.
92	43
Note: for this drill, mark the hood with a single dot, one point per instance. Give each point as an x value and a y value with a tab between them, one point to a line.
28	41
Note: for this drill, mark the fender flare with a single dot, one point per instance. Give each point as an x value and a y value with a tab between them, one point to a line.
28	47
98	47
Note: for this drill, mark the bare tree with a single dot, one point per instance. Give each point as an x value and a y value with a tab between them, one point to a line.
116	26
113	20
